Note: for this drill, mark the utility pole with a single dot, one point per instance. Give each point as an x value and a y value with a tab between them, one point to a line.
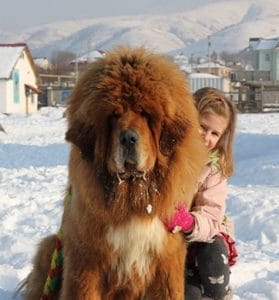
209	53
76	67
89	50
192	61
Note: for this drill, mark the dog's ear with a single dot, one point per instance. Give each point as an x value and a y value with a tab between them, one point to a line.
83	136
172	134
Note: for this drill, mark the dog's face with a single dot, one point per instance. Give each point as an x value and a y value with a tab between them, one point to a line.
132	150
129	117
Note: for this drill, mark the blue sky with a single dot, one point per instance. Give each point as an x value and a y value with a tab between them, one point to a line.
18	15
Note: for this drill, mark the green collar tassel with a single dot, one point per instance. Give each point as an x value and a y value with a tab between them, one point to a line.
213	158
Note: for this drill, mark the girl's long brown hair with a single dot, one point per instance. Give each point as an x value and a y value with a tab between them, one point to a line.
211	99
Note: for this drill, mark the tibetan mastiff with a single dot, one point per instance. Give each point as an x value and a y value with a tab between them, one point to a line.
135	153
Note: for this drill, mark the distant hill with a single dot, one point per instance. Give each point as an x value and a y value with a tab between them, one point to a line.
229	23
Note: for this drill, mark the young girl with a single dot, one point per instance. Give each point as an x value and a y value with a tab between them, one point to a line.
211	251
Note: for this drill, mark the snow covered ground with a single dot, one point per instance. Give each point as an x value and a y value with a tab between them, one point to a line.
33	173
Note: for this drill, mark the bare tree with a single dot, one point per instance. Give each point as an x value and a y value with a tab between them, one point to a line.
239	59
61	61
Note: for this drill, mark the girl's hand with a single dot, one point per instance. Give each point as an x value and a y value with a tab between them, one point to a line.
182	220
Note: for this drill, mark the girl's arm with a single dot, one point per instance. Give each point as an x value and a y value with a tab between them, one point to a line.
209	209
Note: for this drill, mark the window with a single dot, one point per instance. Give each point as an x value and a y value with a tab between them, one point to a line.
267	57
16	85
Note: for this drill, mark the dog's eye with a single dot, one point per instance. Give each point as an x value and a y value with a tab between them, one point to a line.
115	115
171	136
117	112
147	116
167	143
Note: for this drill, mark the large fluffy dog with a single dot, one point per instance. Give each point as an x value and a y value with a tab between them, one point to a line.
136	152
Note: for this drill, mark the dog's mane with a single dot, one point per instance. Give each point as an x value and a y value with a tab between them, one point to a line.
137	82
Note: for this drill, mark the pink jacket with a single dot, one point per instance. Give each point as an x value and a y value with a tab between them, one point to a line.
209	207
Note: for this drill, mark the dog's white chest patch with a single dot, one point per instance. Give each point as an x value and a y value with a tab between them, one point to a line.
134	243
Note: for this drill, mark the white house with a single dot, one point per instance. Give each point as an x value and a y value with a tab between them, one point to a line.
213	68
200	80
18	89
43	63
88	57
265	55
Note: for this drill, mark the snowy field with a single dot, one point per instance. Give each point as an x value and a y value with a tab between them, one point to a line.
33	173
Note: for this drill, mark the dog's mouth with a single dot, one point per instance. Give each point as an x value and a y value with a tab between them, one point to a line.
131	174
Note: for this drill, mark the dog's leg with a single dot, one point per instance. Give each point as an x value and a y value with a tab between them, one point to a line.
81	279
168	283
81	286
33	285
166	286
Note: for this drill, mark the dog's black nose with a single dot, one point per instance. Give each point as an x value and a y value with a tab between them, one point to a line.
128	138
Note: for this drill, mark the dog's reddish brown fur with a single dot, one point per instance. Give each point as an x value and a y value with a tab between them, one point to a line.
136	152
